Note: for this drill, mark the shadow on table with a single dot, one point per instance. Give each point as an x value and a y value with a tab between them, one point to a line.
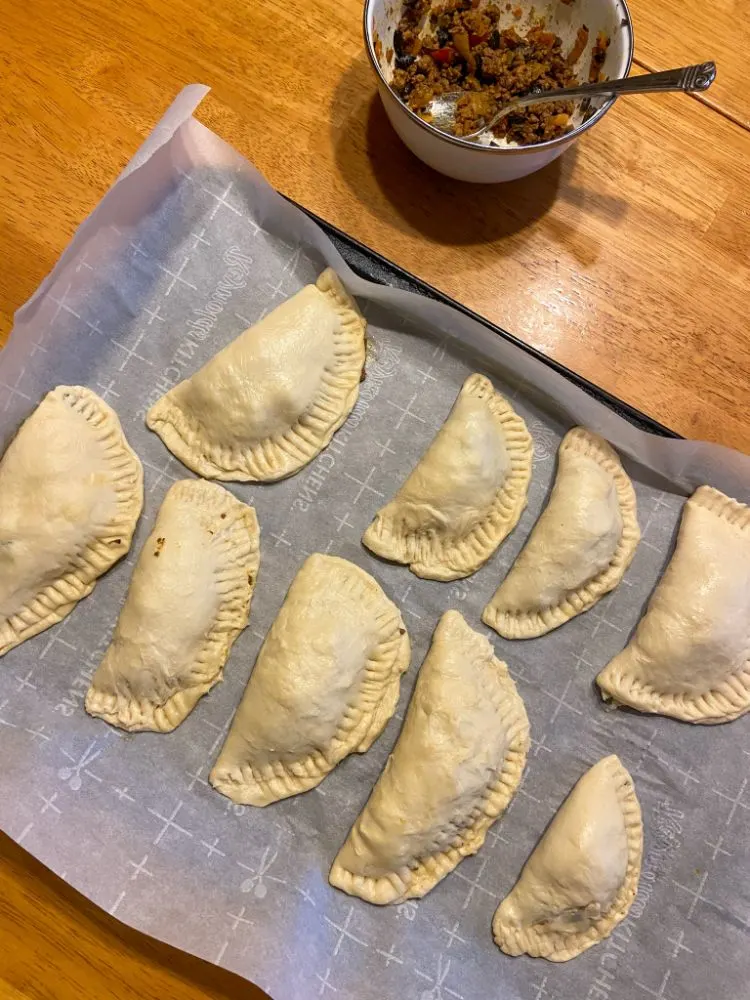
379	168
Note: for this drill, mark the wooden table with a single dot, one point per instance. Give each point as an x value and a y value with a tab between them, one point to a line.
626	261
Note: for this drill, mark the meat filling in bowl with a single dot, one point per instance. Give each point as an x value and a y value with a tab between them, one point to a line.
458	45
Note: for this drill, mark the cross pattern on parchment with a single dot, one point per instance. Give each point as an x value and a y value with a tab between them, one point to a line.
105	391
14	392
438	989
63	305
169	823
344	933
364	485
390	956
176	277
406	411
678	945
541	989
212	848
153	315
162	472
49	803
132	352
736	801
139	868
221	201
659	992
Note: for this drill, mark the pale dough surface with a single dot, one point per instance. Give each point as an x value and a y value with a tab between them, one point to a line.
690	655
580	547
465	495
582	877
324	685
454	769
71	492
270	401
189	599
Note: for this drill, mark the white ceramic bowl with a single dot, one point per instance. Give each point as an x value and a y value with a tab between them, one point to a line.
468	161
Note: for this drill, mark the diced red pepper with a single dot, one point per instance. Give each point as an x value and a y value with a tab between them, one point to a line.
445	55
475	39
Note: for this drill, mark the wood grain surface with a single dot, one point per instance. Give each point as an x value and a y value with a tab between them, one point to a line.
57	945
674	33
626	260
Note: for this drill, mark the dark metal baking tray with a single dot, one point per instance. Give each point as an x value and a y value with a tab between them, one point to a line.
373	266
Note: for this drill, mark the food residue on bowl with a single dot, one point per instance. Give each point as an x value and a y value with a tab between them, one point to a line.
454	45
598	55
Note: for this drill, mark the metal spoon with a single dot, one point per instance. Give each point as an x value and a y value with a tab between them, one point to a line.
442	108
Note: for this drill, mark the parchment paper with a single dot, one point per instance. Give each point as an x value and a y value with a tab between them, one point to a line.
188	249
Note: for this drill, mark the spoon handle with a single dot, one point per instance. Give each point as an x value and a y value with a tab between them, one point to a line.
687	78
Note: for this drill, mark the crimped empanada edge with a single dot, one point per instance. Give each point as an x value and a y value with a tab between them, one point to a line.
558	947
259	787
726	702
58	599
427	872
465	556
531	624
284	455
231	619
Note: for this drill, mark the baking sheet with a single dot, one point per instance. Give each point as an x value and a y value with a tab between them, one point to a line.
187	249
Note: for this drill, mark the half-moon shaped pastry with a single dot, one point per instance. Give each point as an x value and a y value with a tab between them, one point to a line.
71	491
579	548
690	655
582	877
189	599
454	769
465	495
324	685
270	401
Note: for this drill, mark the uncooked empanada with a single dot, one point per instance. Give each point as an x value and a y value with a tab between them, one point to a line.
71	491
690	655
465	495
324	685
579	548
270	401
582	877
189	599
454	769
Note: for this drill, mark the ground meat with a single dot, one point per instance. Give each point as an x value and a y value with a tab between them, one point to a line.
454	45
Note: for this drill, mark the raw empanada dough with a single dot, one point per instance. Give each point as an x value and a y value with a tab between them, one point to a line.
690	656
71	491
454	769
188	601
465	495
324	685
579	548
270	401
582	877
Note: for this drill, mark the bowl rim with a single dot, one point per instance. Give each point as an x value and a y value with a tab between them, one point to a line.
627	24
